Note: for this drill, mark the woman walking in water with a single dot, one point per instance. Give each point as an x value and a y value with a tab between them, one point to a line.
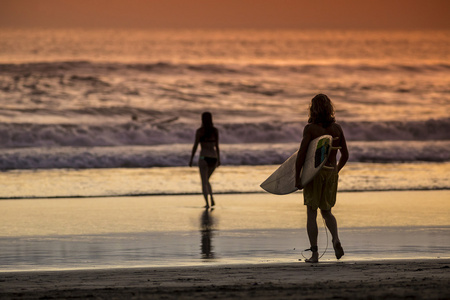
208	137
321	191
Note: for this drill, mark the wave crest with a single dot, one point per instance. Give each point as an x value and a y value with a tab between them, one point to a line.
214	68
231	154
160	132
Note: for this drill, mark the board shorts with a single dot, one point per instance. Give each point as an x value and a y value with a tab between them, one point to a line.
321	191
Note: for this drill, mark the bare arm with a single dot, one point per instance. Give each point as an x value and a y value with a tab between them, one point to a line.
194	148
344	151
301	156
217	147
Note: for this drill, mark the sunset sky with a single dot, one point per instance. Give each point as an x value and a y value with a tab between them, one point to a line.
379	14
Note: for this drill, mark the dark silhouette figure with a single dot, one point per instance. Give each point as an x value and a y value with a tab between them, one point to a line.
209	160
206	230
321	191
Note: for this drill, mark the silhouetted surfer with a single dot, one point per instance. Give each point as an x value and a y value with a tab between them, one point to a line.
208	137
321	191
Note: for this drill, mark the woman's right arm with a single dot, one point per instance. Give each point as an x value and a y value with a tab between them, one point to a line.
194	148
301	156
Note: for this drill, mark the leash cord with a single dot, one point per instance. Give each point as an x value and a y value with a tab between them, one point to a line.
326	248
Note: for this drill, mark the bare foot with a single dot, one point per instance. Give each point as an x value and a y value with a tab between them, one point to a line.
315	255
338	250
314	258
212	202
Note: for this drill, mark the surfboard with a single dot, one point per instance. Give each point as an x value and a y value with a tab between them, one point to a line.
282	181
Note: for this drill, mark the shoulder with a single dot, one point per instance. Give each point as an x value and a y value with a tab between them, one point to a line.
199	131
338	132
308	128
337	126
312	129
309	132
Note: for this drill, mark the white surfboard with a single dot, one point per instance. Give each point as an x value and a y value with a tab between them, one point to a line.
282	181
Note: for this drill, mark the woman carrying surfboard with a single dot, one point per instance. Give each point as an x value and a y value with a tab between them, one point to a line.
320	193
208	137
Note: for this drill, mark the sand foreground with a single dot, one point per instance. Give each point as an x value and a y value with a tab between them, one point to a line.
389	279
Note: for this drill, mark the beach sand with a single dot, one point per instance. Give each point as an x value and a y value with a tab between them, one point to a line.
166	247
384	279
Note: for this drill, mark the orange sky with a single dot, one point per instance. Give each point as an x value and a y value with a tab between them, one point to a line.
364	14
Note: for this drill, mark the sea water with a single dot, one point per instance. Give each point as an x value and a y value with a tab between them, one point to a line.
63	183
81	99
103	99
87	113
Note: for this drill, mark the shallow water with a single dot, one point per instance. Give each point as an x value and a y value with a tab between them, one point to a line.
116	232
226	179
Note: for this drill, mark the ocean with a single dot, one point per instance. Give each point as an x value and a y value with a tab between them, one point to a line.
97	127
78	103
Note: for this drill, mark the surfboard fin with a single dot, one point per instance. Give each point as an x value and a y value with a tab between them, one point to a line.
328	167
335	138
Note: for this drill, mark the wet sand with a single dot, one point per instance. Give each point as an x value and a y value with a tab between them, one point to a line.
168	247
384	279
175	231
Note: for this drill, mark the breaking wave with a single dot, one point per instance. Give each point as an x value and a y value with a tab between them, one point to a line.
164	132
231	154
167	68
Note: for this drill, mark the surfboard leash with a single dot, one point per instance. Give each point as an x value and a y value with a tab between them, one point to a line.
326	248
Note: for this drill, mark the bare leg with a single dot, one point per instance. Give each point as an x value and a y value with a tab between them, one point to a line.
210	171
203	166
331	223
313	232
211	195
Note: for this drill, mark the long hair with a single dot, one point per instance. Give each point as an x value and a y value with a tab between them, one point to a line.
207	125
321	111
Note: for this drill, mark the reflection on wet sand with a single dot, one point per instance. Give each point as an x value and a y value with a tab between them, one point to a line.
172	231
206	230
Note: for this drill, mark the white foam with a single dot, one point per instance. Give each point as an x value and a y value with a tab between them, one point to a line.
231	154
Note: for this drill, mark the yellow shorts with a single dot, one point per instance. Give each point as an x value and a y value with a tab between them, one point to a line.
321	191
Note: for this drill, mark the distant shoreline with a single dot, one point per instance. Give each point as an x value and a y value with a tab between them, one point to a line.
217	193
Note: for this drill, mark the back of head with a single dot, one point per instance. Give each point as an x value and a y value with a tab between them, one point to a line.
321	111
207	119
207	125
